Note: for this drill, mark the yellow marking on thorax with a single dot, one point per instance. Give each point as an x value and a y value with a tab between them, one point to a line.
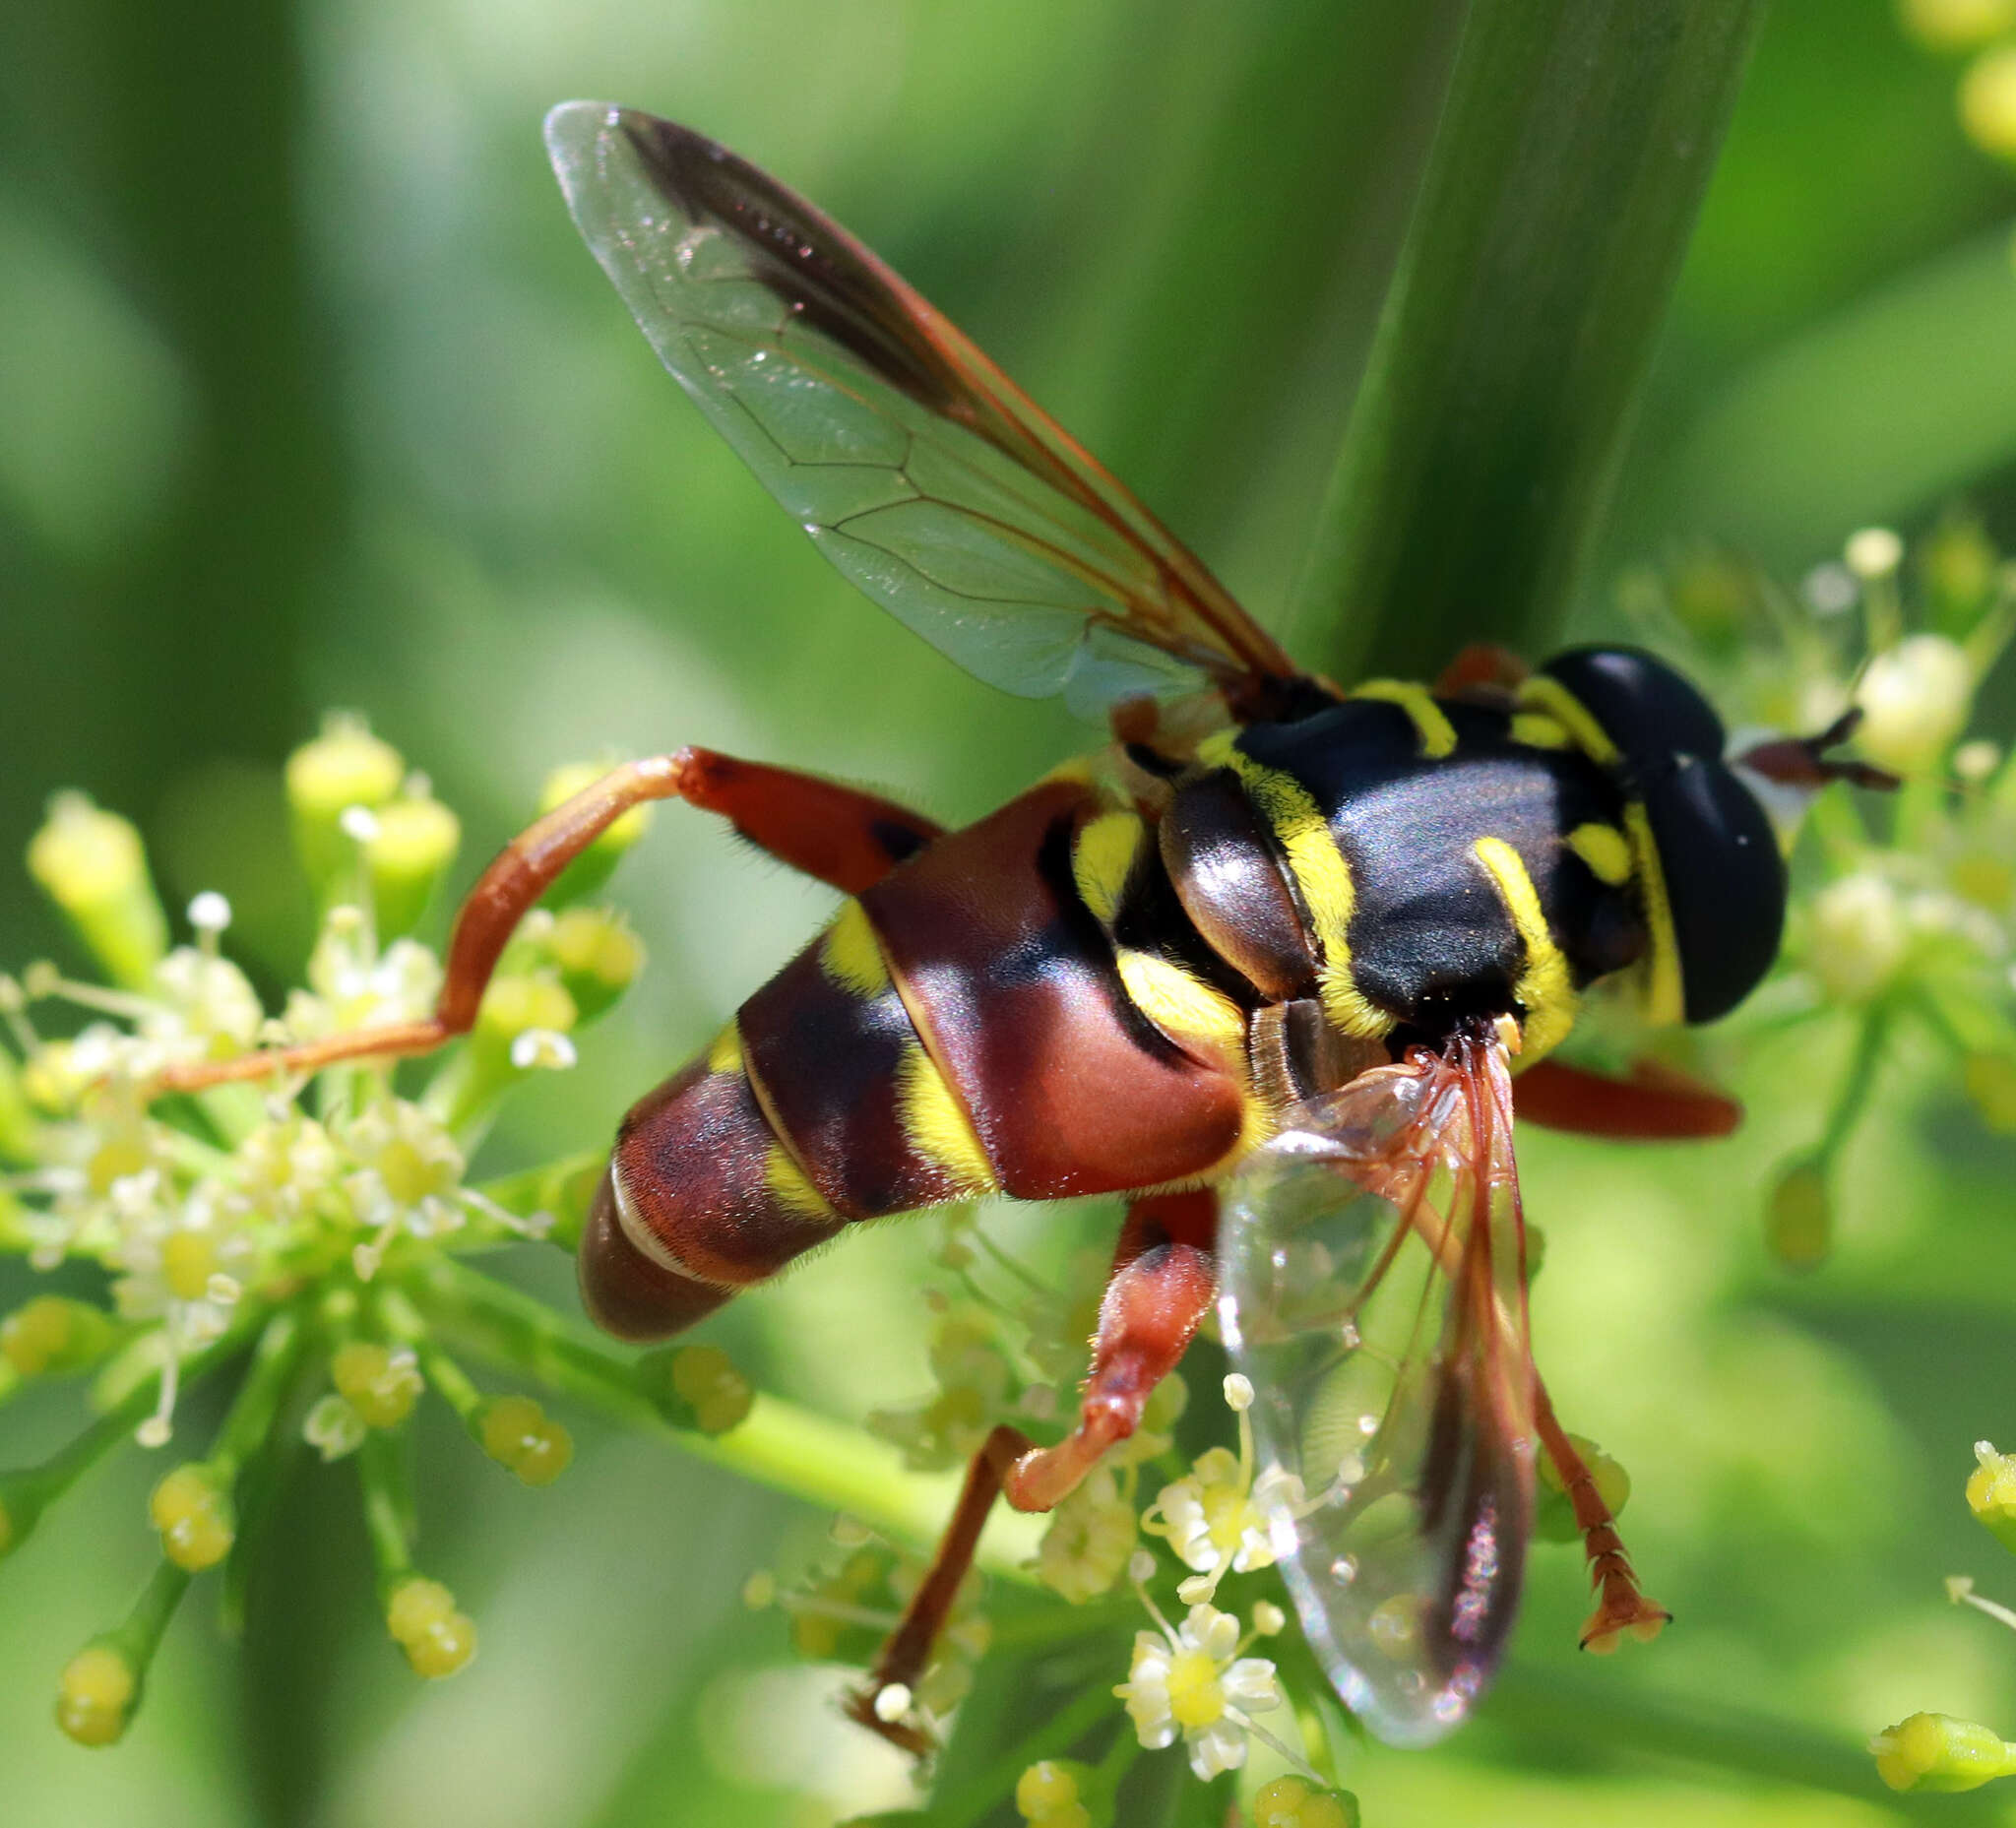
725	1051
1664	997
787	1182
1606	849
1544	989
1176	1002
1537	731
936	1124
1101	857
1321	874
1430	720
1545	693
850	954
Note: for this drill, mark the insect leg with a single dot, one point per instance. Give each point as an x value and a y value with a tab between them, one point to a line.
1620	1606
908	1653
1163	1284
838	834
1165	1281
1655	1103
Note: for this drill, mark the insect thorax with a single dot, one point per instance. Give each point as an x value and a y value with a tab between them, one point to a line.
1410	862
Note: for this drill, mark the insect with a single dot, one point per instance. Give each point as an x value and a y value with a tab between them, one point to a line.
1266	966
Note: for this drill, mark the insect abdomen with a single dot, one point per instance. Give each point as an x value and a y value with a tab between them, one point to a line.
962	1029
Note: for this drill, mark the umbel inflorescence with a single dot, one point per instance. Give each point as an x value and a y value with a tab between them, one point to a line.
306	1241
313	1246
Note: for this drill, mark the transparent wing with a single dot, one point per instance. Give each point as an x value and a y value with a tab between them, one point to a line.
1374	1292
917	466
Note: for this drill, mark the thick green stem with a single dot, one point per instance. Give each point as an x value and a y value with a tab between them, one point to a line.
1573	151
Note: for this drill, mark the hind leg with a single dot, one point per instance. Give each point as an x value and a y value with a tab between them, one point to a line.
837	834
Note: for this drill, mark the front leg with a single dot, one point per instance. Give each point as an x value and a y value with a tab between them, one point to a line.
1163	1281
838	834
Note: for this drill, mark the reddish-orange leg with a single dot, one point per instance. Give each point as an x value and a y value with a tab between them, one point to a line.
838	834
1656	1103
1620	1606
1163	1281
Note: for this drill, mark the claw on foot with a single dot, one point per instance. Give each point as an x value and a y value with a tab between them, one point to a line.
1619	1613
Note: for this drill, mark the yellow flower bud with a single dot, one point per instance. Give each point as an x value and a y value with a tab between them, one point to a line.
598	956
1956	25
53	1334
193	1513
516	1002
90	865
95	1695
517	1434
1292	1802
1988	102
1957	560
1991	1492
1936	1752
1798	1223
703	1383
1045	1791
423	1619
380	1385
407	855
344	766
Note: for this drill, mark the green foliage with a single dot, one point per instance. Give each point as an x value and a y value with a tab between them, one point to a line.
311	398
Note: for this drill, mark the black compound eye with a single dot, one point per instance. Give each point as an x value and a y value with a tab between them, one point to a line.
1647	709
1725	882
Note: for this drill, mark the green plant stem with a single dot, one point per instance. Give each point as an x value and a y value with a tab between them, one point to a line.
780	1444
258	1399
84	1450
1563	1710
1853	1098
388	1511
138	1635
1573	151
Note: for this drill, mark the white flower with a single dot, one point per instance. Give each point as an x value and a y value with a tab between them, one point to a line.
1210	1517
203	1007
1091	1537
1856	935
408	1178
1192	1682
1915	700
355	986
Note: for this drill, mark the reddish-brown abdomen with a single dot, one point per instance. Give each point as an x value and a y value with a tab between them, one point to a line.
1013	984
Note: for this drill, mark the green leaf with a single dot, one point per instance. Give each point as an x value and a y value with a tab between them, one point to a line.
1575	144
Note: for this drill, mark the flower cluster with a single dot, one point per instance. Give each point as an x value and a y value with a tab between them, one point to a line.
1904	911
307	1237
998	1359
1935	1751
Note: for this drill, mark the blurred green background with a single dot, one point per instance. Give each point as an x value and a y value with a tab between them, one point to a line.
310	396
